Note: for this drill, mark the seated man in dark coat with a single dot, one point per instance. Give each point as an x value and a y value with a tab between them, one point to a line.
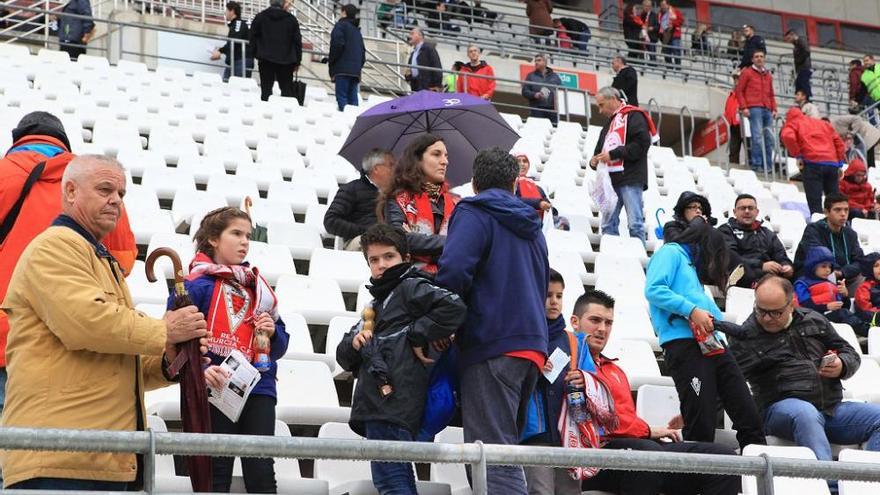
353	210
759	249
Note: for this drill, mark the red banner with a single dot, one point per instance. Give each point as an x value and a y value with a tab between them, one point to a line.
705	141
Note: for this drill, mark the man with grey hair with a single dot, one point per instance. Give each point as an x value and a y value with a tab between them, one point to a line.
623	149
423	55
540	90
277	44
80	356
626	79
353	210
495	258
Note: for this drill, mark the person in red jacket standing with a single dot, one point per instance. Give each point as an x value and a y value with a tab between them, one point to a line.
594	316
671	21
484	87
820	153
862	203
734	129
757	102
40	150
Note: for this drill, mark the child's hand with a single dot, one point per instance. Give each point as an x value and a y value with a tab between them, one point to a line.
834	306
265	324
841	287
361	339
548	366
420	355
216	377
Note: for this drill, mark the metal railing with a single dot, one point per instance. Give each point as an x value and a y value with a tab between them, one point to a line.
478	455
686	144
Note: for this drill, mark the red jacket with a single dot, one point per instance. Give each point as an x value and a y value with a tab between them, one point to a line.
863	299
755	89
812	140
38	211
477	86
674	24
860	196
856	89
629	425
731	109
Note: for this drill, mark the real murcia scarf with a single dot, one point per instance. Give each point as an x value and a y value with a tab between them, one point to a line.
616	135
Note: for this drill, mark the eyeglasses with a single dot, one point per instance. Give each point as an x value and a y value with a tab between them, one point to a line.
772	313
694	207
747	208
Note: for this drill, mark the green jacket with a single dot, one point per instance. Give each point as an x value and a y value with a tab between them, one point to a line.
871	80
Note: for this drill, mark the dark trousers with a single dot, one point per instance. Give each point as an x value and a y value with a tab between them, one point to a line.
544	113
802	82
844	315
636	47
70	484
391	478
819	179
257	418
652	483
271	72
494	402
700	382
73	50
734	135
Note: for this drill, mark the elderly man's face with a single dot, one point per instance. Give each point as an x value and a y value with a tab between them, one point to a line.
607	106
95	199
616	65
415	37
772	308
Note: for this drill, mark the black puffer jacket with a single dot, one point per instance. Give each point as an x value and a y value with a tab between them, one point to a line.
414	313
786	364
675	228
353	210
755	245
275	37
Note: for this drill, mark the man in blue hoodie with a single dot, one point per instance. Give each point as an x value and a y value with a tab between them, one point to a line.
495	257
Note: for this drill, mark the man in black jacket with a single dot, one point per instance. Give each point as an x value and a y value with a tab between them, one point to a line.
353	210
623	146
626	79
277	44
794	361
833	233
803	66
753	43
235	52
386	350
423	55
760	250
652	27
347	56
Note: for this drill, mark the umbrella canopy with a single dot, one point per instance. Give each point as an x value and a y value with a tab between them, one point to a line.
466	124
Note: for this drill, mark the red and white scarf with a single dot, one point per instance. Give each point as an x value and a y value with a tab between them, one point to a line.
420	218
240	294
588	435
616	135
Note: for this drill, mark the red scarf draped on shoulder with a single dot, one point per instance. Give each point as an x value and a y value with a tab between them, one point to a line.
240	294
528	189
420	219
616	135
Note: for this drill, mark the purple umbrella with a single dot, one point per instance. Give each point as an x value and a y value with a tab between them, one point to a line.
466	123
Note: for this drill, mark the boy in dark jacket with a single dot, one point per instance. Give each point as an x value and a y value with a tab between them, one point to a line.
818	290
868	294
387	349
495	257
833	233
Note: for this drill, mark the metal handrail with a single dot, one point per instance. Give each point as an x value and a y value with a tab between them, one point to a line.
686	146
652	103
478	455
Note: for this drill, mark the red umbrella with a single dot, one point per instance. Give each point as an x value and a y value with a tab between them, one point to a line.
193	389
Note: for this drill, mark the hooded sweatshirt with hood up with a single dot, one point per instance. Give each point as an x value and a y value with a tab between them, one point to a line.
495	258
276	38
814	292
868	294
675	228
861	196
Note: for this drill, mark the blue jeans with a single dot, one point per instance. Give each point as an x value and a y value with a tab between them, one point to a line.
761	126
673	51
801	422
346	91
629	196
243	68
69	484
391	478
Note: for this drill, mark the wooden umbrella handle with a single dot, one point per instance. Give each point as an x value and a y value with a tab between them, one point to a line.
248	204
175	262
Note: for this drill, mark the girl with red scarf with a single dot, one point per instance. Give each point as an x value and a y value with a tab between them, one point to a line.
419	200
241	309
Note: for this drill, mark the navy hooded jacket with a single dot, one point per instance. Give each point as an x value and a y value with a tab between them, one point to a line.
495	258
347	52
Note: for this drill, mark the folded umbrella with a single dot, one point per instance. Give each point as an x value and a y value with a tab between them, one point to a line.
193	389
466	124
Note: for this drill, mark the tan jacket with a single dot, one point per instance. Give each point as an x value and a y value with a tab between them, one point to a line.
79	356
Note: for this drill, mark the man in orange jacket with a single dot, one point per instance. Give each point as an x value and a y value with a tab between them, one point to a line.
39	139
483	87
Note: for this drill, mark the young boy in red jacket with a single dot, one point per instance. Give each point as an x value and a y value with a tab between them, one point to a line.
862	203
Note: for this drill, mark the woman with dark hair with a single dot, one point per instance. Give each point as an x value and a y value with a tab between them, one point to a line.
634	32
684	316
419	200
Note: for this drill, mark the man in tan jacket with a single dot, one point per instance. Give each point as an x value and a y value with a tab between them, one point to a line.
79	355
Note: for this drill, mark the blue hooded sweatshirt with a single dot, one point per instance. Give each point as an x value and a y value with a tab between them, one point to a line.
814	292
495	258
673	289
